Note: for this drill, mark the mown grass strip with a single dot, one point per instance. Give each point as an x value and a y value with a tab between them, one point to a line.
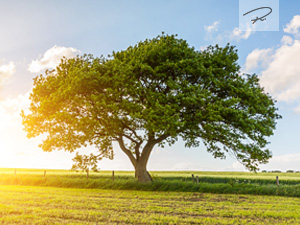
50	205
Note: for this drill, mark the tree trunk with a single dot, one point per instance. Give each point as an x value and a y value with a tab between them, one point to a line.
140	162
141	172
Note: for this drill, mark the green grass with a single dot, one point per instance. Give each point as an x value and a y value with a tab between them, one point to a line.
209	182
66	197
48	205
250	175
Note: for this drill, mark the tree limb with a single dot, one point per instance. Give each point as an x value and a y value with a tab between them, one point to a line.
161	138
137	151
150	144
130	138
133	131
126	151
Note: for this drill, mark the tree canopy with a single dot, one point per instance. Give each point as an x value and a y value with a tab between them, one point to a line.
153	93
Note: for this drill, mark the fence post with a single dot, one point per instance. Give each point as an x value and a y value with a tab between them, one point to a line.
113	175
197	178
193	178
87	173
277	181
44	173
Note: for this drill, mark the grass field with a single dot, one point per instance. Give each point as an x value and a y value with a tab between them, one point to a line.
48	205
248	175
67	197
209	182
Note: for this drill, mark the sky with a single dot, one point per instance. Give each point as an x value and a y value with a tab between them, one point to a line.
36	34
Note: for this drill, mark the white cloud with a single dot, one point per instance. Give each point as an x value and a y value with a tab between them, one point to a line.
213	27
6	72
238	34
297	109
210	32
13	106
293	26
280	75
235	35
257	58
283	162
51	58
287	40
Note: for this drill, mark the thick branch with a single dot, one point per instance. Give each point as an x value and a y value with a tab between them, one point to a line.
150	144
133	131
137	144
126	151
161	138
130	138
137	151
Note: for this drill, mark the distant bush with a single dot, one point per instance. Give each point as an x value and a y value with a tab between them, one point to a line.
276	171
290	171
264	171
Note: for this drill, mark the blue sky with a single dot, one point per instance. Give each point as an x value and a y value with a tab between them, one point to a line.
36	34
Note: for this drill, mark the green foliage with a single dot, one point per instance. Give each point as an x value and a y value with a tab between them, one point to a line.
153	93
85	163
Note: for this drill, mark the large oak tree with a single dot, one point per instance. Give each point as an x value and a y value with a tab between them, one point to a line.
152	94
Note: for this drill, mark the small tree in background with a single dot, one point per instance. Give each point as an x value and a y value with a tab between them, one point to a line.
85	163
152	94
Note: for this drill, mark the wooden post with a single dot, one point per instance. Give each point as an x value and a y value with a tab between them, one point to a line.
87	173
197	178
113	175
277	181
193	178
44	173
15	172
